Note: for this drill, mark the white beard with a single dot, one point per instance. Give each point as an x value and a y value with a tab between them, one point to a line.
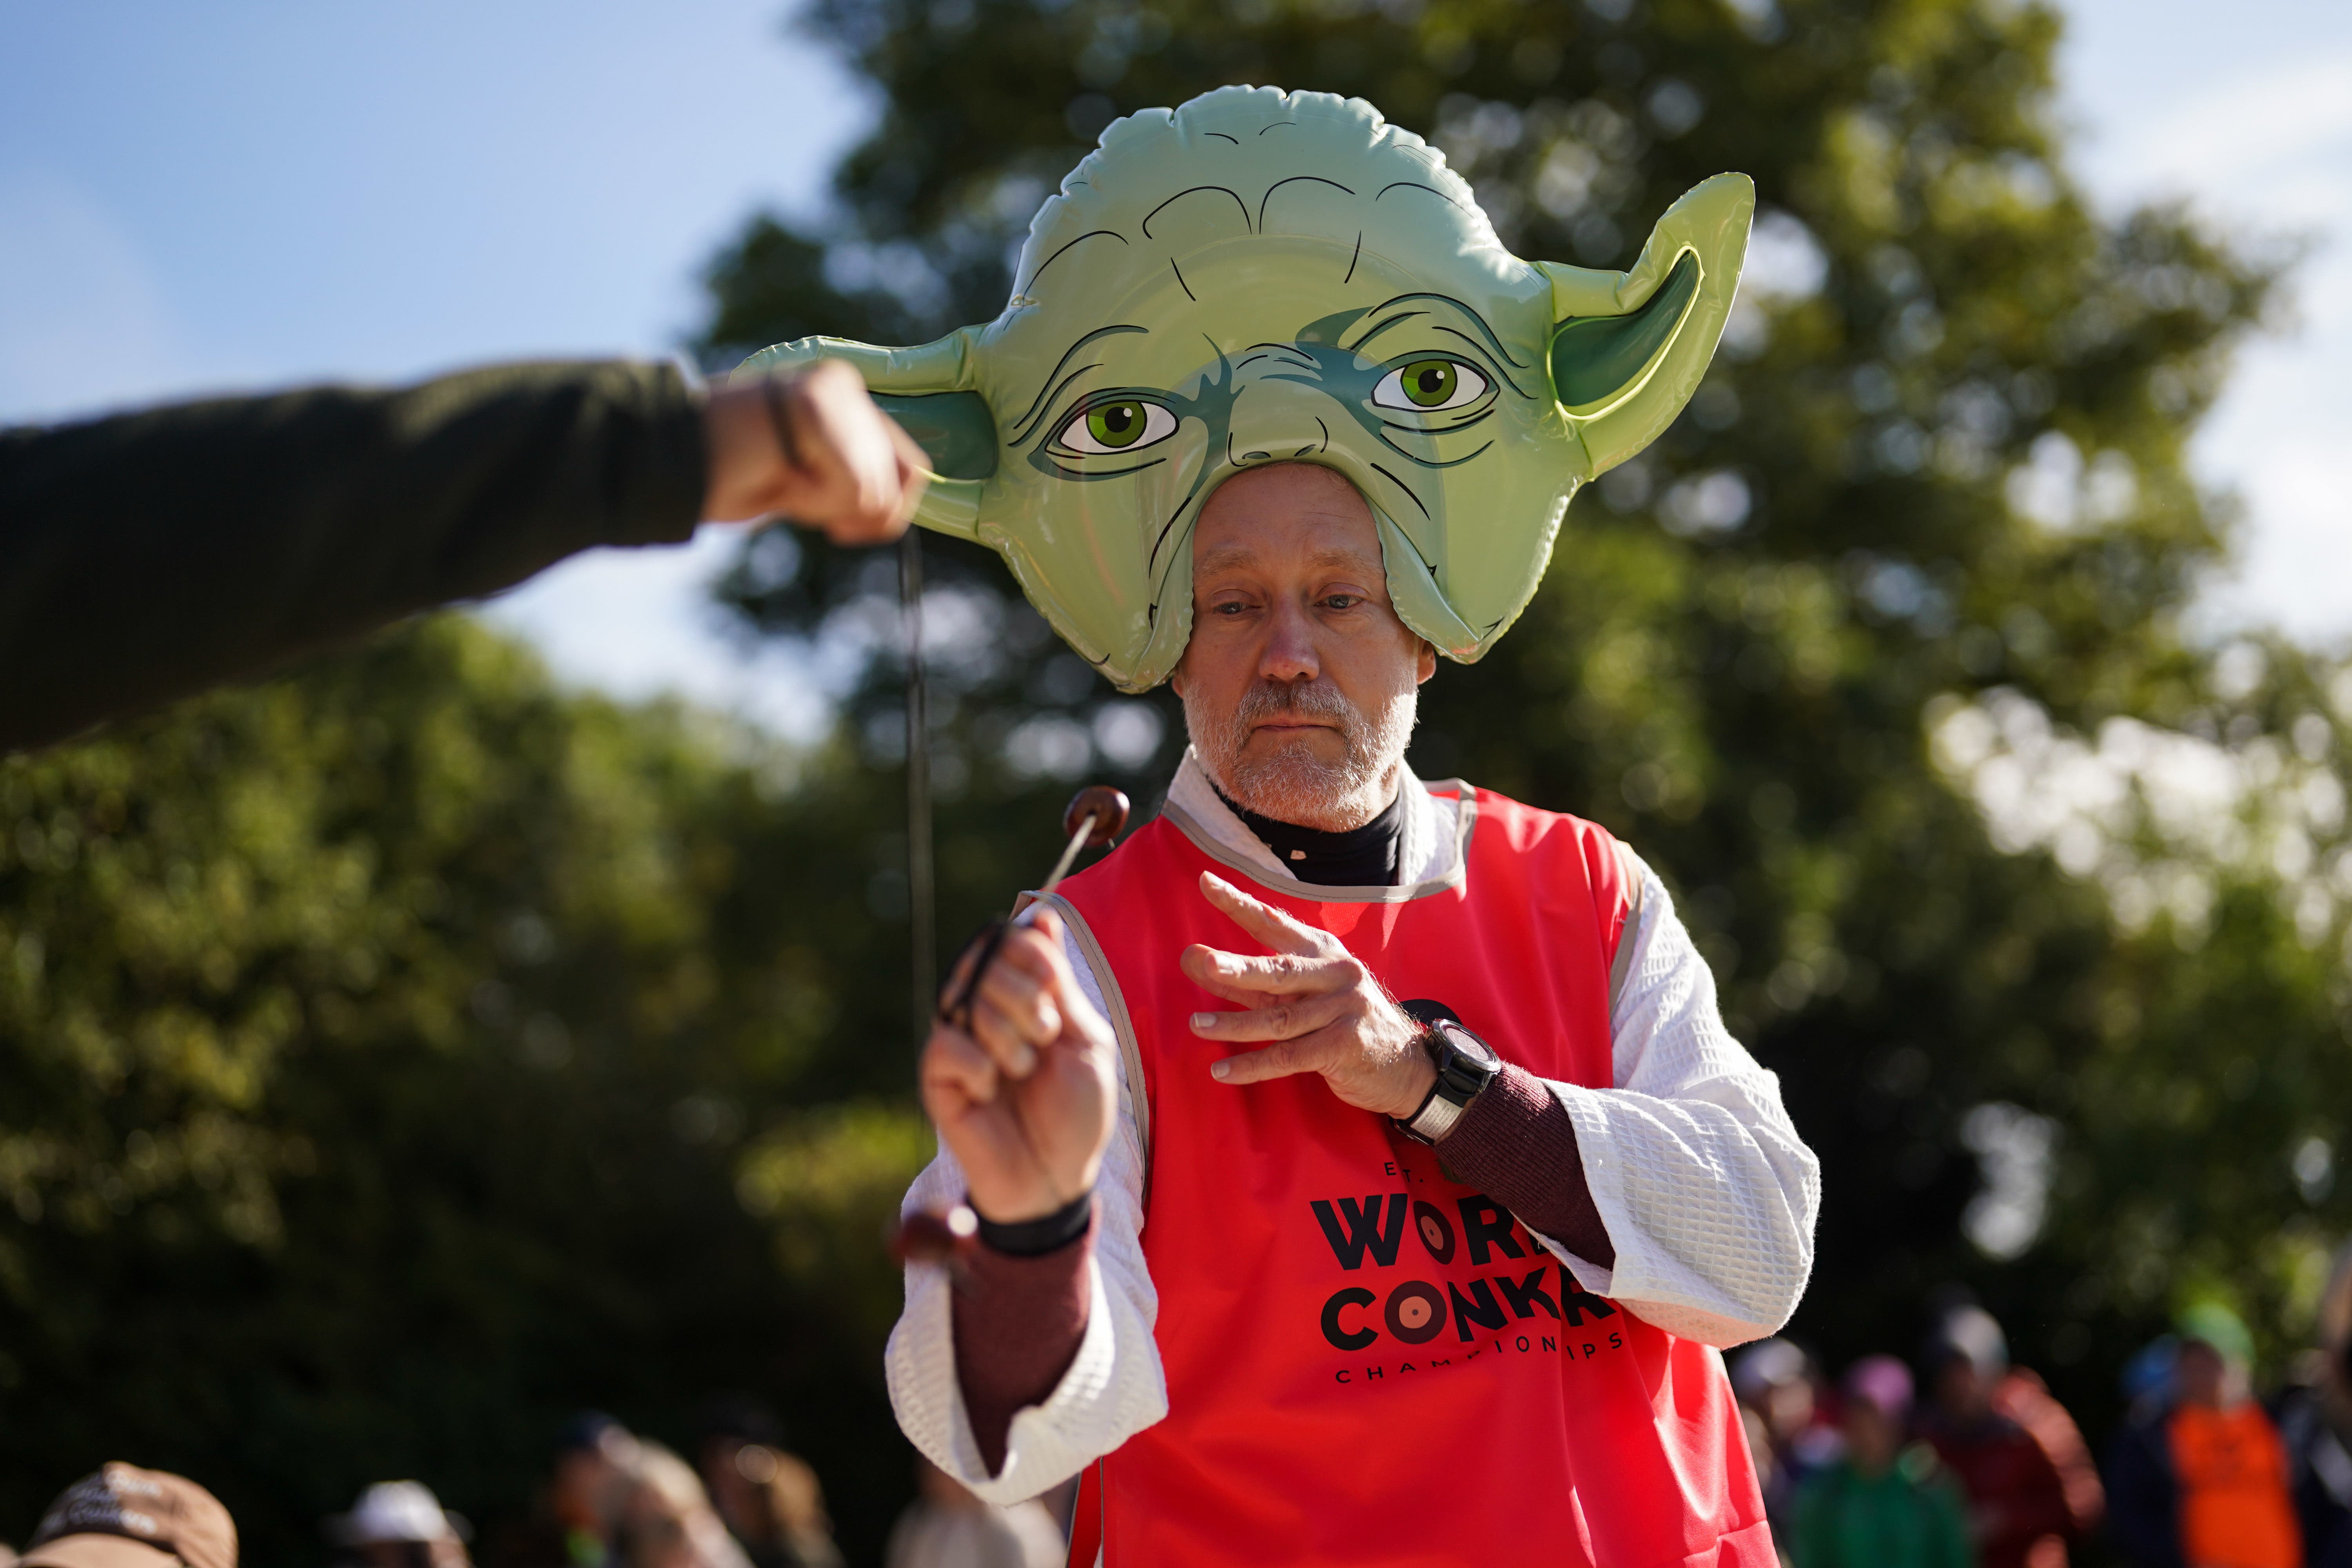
1287	780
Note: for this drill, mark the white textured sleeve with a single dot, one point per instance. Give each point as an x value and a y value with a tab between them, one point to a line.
1706	1192
1114	1387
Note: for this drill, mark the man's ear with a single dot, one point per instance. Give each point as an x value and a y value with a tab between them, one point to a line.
1628	349
928	391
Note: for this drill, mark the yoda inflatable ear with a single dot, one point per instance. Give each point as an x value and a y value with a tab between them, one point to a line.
1264	277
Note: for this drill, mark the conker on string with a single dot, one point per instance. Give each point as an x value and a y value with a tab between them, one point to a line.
1107	806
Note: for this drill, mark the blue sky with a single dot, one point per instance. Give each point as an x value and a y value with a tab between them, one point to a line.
254	191
2246	111
251	190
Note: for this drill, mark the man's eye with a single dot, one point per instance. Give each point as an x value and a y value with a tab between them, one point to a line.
1430	386
1125	425
1342	601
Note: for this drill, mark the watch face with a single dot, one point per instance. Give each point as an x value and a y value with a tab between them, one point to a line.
1468	1044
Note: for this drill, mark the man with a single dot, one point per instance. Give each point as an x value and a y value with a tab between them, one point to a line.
1879	1505
2022	1511
666	1519
590	1484
769	1498
146	556
626	1502
1791	1437
400	1524
2198	1478
1368	1348
947	1527
124	1517
1360	1172
2315	1425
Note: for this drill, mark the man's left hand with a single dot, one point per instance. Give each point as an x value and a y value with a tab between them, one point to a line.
1315	1001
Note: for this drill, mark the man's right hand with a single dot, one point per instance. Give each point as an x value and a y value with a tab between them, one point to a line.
1026	1099
851	470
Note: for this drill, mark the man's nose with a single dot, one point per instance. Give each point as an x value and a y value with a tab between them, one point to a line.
1290	654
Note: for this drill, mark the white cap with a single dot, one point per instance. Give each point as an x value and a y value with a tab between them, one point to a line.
395	1511
1766	1365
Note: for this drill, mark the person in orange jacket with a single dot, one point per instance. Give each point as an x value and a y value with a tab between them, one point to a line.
2200	1478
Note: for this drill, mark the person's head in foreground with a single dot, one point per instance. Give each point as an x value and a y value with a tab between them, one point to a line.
124	1517
1874	1412
592	1456
1390	1267
1964	1358
400	1524
766	1495
665	1519
2214	1365
2334	1338
1775	1379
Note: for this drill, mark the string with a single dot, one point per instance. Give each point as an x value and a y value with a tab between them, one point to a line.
922	912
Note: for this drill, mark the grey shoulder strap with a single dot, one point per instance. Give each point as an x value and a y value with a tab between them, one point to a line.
1636	876
1121	1025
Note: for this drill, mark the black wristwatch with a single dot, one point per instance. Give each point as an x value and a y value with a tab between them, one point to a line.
1466	1064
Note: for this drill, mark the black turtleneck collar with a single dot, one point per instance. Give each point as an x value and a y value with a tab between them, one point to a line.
1362	857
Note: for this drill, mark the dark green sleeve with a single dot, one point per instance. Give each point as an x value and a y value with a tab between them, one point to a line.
147	556
1816	1521
1949	1514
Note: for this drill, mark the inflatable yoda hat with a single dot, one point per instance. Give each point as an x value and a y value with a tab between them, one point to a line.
1264	277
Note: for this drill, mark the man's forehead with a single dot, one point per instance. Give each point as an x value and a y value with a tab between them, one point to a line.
1290	514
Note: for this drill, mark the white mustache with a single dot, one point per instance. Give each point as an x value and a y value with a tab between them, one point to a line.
1303	699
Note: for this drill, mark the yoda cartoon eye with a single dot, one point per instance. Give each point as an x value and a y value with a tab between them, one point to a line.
1124	425
1429	386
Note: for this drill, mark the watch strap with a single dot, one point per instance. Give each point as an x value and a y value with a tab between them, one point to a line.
1435	1117
1461	1073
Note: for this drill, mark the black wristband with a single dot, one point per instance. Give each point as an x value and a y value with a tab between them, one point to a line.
1036	1237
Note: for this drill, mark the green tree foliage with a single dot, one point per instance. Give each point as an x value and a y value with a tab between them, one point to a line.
1935	476
382	1049
396	1057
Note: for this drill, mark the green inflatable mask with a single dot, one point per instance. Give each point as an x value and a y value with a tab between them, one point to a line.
1267	277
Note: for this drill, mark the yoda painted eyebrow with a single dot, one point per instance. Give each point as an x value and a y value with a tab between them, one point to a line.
1267	277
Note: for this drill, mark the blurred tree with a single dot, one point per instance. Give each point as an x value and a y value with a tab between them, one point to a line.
380	1048
401	1055
1939	465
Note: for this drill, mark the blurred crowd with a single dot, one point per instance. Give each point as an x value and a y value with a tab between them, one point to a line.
1959	1458
1954	1458
611	1499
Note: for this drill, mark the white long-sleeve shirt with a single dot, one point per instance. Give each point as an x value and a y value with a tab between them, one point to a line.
1707	1194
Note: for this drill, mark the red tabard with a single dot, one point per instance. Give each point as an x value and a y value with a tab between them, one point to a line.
1367	1361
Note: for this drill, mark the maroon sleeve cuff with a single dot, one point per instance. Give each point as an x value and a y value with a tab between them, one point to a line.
1516	1143
1018	1322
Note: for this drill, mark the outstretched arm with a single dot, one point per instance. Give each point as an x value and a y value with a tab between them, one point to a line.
152	554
